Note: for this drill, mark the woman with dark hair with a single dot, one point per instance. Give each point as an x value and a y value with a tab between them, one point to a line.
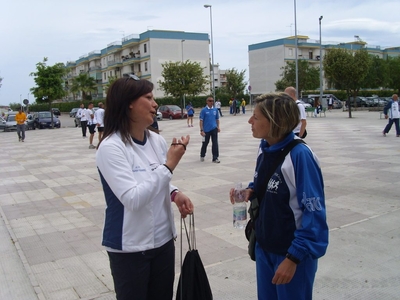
135	167
291	229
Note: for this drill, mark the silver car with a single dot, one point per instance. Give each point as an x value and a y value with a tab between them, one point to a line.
11	124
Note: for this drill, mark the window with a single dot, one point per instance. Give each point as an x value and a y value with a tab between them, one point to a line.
110	73
290	52
145	49
310	55
145	66
105	75
139	67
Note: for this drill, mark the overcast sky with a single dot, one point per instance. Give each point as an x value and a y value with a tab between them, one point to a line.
65	30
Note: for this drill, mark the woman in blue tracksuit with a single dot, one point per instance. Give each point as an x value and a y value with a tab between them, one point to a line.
291	230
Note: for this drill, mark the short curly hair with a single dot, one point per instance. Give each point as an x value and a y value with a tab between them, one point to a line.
281	111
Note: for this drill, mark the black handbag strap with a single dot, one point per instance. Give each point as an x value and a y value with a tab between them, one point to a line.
279	160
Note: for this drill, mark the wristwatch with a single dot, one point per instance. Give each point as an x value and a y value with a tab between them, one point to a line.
292	258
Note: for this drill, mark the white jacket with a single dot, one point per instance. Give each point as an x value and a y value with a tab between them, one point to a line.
130	188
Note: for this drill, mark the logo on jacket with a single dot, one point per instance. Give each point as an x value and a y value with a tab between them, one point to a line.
273	184
311	203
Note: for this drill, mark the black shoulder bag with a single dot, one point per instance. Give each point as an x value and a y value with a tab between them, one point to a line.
250	231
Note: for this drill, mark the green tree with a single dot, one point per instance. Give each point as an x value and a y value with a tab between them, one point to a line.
378	73
183	78
308	76
235	83
50	83
394	73
85	84
347	70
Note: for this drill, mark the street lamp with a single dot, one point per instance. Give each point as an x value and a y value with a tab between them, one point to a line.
183	79
212	50
320	62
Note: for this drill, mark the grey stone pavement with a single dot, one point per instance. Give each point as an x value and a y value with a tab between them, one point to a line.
52	207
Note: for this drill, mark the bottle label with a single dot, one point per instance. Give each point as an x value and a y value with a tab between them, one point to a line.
239	213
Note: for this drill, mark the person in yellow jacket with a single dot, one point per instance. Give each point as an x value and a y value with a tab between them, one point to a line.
20	117
243	105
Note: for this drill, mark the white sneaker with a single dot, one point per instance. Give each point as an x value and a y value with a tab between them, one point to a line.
201	159
92	147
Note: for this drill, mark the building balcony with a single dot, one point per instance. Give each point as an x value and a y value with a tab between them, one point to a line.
95	68
114	63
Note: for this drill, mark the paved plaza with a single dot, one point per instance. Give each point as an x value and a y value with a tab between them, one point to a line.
52	210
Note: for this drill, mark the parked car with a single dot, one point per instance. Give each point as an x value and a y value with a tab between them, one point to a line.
171	112
10	124
376	101
56	111
306	105
159	116
73	112
29	123
42	119
360	102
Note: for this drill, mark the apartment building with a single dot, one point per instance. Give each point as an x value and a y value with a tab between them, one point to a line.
267	59
143	55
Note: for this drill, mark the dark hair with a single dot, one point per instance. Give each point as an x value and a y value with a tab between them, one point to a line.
120	95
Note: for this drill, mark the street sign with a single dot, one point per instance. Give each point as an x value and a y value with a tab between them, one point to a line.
26	101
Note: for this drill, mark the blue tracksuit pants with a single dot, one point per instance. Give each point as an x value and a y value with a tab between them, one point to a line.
299	288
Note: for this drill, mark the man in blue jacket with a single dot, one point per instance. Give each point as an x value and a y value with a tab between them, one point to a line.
392	113
209	127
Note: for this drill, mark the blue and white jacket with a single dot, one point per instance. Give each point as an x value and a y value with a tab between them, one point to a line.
130	189
392	109
292	216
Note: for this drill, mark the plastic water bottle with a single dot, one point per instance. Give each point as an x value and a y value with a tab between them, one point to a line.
239	208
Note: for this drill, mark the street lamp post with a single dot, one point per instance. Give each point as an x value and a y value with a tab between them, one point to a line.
321	85
184	104
212	50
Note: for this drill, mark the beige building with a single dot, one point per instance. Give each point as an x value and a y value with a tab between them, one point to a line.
142	55
267	59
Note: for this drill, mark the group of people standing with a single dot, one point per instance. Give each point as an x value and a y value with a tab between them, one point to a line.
90	119
136	167
235	104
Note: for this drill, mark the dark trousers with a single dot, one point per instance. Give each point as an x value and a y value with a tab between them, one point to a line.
84	127
214	140
220	113
389	126
147	275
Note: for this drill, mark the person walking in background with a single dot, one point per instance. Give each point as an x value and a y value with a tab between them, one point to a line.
391	112
20	118
135	167
99	117
83	119
91	123
291	228
243	105
190	114
237	106
209	127
234	110
218	106
300	129
330	103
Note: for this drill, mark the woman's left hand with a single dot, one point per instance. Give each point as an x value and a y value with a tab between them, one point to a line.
184	204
